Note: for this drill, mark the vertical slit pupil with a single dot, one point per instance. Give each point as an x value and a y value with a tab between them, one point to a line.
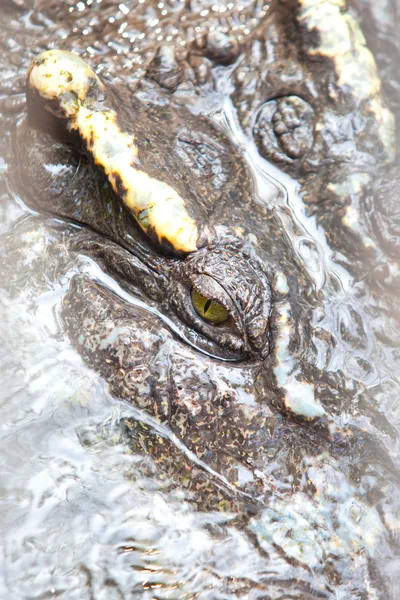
207	305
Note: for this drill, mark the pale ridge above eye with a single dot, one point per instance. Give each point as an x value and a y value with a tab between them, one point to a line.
67	86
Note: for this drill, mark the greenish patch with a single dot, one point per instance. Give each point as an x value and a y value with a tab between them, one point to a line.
208	309
143	217
67	75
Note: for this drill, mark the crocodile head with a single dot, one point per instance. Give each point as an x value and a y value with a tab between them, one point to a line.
197	292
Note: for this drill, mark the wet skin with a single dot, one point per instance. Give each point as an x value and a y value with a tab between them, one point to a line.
230	392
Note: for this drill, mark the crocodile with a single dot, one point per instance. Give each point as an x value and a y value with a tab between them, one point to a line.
235	309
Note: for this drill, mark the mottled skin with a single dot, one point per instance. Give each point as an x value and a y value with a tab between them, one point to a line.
309	113
232	416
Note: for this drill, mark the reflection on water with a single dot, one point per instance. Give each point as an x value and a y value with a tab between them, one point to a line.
275	188
88	507
79	516
85	516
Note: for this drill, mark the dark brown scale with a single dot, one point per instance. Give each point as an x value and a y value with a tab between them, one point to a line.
122	190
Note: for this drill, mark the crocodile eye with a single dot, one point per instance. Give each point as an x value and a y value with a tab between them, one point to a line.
208	309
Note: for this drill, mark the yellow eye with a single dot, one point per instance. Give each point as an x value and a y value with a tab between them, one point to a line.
209	310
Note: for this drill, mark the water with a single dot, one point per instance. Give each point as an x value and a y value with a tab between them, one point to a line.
100	497
80	516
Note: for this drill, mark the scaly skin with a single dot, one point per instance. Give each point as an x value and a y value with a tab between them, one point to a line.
236	396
